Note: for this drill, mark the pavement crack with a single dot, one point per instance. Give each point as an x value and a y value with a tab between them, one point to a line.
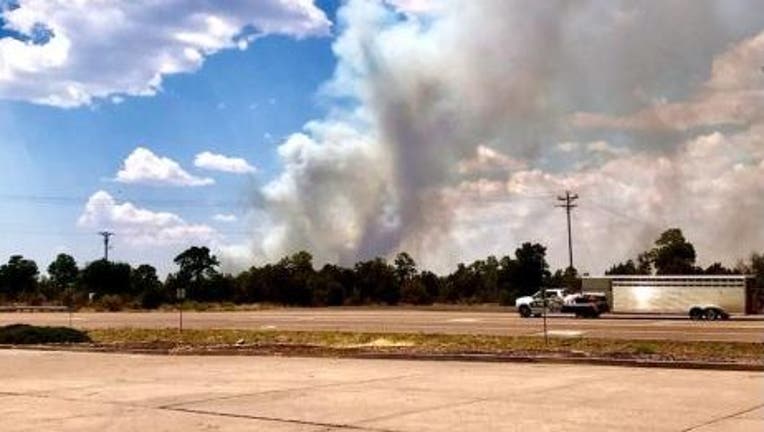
430	408
719	419
287	390
327	425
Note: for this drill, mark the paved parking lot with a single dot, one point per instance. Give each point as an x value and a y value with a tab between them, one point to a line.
402	320
118	392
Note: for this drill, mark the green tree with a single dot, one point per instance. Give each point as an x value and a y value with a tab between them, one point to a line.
717	269
754	267
376	282
18	278
432	284
405	267
197	267
673	254
335	282
196	263
625	268
148	287
63	271
644	264
531	269
461	285
107	278
568	278
295	279
414	292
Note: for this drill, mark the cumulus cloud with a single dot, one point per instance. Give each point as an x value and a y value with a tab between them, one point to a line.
488	160
218	162
414	6
444	138
227	218
142	166
68	53
141	227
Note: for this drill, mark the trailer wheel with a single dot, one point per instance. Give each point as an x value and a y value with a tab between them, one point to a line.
525	311
696	314
711	314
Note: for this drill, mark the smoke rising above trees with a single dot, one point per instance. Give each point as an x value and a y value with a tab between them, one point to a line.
445	127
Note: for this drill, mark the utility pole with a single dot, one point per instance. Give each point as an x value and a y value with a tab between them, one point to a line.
568	205
106	236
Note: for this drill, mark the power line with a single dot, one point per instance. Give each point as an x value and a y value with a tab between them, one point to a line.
61	200
623	215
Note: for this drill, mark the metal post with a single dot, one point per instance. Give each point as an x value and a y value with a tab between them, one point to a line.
543	299
180	294
180	316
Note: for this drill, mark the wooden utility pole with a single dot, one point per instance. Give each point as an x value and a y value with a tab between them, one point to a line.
106	236
568	205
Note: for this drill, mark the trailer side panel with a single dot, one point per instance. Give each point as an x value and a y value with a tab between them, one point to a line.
675	295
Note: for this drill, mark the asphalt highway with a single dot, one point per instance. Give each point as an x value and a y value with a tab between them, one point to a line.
744	329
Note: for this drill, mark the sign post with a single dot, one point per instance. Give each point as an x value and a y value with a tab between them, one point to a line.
545	306
180	294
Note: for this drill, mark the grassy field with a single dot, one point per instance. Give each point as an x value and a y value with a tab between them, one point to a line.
347	343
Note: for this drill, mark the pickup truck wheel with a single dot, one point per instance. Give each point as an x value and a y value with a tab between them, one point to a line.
696	314
525	311
711	314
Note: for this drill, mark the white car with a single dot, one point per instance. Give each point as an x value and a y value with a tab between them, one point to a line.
533	306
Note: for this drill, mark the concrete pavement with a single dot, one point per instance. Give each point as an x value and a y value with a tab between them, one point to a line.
402	320
65	391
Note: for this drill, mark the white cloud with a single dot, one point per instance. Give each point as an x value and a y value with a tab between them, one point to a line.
414	6
141	227
142	166
567	146
227	218
601	147
487	159
218	162
128	47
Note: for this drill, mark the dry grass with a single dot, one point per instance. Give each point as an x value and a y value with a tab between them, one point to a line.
419	343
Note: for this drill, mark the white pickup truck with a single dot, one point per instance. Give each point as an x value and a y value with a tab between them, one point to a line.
533	305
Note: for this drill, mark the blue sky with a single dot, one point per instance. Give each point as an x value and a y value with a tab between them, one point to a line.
361	128
239	103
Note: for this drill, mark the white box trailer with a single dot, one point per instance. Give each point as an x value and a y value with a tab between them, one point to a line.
700	297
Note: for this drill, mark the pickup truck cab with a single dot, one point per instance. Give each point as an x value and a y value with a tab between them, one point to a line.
533	305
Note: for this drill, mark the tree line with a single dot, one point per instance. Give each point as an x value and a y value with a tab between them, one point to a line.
295	281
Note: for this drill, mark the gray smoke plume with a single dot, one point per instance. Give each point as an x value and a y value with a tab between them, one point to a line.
453	126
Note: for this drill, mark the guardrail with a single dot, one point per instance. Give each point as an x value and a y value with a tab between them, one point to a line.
28	308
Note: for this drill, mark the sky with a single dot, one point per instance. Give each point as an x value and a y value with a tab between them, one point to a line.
361	128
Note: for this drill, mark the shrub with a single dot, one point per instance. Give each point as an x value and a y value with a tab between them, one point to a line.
112	303
20	334
645	348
